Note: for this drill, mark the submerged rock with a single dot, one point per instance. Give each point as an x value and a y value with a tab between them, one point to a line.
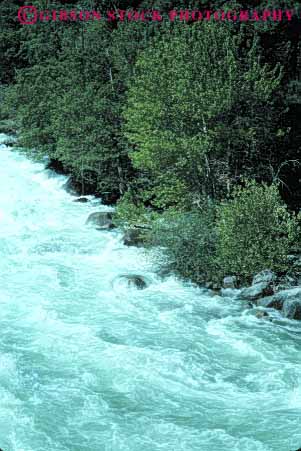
81	200
103	220
133	280
261	314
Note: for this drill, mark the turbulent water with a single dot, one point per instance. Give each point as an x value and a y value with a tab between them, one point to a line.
88	364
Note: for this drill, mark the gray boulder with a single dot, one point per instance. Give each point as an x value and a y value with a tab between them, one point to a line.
265	276
292	309
257	291
102	220
289	301
275	302
230	282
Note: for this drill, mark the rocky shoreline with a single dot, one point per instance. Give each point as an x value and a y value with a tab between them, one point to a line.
267	290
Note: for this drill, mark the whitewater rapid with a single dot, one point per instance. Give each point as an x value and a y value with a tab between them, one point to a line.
87	364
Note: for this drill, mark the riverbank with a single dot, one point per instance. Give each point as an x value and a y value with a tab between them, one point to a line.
267	290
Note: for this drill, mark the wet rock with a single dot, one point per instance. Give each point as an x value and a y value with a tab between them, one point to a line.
265	276
261	314
286	282
257	291
133	237
275	302
134	280
102	220
292	309
81	200
289	301
230	282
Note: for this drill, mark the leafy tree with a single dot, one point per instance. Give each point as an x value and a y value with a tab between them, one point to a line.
183	112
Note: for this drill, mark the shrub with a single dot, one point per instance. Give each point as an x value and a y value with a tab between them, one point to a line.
188	241
254	231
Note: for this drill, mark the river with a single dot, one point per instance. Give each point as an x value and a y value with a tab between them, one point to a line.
89	364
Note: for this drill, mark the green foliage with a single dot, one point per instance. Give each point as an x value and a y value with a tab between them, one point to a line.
254	231
69	105
188	240
192	107
130	213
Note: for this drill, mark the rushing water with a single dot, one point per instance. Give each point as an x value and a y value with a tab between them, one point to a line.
88	364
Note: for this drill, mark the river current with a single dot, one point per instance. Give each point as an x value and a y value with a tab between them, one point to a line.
89	364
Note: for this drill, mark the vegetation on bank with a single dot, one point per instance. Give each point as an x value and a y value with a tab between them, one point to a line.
192	128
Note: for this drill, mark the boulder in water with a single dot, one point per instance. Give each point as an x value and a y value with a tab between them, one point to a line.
256	291
289	301
261	314
134	280
103	220
292	309
81	200
275	302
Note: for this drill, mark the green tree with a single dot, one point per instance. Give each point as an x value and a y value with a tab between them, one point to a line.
183	111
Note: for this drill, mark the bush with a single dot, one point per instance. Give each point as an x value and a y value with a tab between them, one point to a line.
131	213
188	242
254	231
